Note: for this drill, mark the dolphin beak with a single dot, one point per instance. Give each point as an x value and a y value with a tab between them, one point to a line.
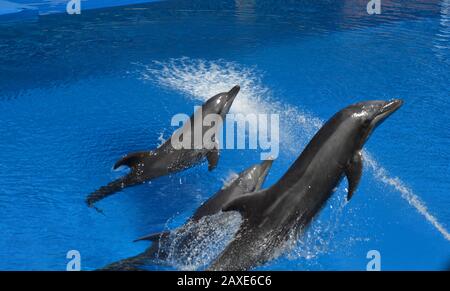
232	93
391	106
386	110
265	167
230	98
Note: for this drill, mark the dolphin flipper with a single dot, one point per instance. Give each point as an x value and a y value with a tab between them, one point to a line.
353	171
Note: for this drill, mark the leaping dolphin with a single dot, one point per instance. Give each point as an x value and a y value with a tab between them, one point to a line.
187	236
166	159
270	216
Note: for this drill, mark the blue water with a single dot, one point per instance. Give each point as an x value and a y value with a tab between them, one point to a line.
78	92
44	7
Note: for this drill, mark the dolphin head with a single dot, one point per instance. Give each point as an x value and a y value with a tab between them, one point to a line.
252	178
366	116
221	103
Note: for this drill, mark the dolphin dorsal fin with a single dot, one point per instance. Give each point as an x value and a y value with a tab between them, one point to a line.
353	171
213	159
154	236
131	160
251	205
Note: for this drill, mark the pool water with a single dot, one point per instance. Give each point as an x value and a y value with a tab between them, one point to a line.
79	91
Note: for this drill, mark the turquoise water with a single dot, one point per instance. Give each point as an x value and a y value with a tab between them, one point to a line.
78	92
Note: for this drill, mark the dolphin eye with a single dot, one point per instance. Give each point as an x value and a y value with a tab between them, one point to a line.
366	122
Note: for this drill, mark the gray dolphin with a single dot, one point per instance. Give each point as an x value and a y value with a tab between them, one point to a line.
166	159
271	216
187	236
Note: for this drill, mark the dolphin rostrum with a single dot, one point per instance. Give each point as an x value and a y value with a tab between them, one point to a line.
272	216
168	159
187	236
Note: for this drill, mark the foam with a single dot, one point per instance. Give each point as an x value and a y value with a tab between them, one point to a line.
195	244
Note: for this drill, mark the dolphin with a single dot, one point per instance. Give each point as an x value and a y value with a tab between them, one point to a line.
188	235
167	159
274	215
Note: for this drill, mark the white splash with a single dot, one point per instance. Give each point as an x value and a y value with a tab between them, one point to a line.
201	79
382	175
195	244
317	239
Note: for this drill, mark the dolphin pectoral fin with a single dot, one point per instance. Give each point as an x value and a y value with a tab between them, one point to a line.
353	171
131	160
154	236
213	159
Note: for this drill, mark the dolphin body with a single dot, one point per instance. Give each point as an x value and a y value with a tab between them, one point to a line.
167	159
272	216
188	235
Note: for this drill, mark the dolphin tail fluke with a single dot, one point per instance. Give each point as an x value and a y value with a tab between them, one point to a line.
110	189
132	160
154	236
